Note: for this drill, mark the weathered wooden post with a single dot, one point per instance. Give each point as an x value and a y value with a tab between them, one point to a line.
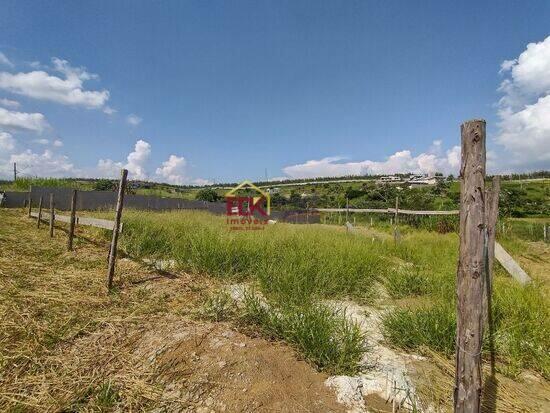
396	209
116	228
471	269
39	217
347	210
491	211
52	214
29	204
396	236
72	222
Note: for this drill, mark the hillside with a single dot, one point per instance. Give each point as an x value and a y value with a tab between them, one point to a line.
521	195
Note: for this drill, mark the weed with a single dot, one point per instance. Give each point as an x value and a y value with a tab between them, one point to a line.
218	307
323	336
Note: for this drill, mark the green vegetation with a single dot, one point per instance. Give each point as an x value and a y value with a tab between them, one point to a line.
297	267
518	198
23	184
294	267
207	194
325	337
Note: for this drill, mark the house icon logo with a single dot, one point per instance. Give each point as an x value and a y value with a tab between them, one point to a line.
255	202
247	207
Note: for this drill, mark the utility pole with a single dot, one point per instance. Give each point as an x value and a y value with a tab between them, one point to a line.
15	171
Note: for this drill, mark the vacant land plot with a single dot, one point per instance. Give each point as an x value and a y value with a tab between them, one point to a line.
57	306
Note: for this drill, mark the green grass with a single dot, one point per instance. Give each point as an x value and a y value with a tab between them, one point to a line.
296	267
431	326
289	262
323	336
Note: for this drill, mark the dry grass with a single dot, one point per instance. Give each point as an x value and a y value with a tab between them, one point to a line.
435	378
65	343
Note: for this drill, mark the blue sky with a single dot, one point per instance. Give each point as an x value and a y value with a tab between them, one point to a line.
195	91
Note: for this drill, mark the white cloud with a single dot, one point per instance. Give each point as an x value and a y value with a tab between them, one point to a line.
524	110
47	164
399	162
107	168
35	122
43	86
133	120
109	110
137	160
57	143
8	103
173	170
5	61
41	141
7	143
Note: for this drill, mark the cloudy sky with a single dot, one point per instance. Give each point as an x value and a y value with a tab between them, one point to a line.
202	91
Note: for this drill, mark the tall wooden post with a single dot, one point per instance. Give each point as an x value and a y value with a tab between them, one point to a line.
471	269
347	210
52	215
29	204
39	217
73	221
114	240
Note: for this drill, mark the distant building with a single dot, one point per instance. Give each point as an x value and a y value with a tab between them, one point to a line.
389	179
416	181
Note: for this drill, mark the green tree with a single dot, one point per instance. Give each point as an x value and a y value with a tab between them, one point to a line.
207	194
104	185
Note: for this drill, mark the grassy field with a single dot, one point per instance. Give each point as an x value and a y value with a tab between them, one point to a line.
297	267
51	299
67	345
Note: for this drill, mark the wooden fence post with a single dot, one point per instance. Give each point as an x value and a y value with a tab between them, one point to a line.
30	200
52	215
491	211
73	221
39	217
396	235
396	209
114	240
471	268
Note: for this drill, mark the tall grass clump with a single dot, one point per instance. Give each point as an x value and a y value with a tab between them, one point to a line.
431	326
323	336
291	262
522	326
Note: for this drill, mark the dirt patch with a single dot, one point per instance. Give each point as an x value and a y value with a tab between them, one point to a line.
215	368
